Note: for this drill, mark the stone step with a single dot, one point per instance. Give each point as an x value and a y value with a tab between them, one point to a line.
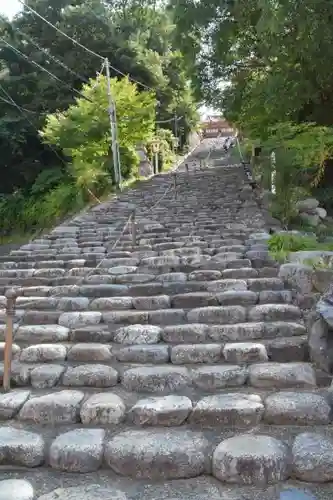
174	283
31	320
69	256
185	333
203	269
37	310
221	262
165	377
243	409
84	263
127	346
165	452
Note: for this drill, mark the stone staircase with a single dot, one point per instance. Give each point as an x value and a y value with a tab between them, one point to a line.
179	358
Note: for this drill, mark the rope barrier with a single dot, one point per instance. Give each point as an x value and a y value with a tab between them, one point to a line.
129	219
245	164
239	150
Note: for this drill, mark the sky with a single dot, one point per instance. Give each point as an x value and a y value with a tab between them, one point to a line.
9	7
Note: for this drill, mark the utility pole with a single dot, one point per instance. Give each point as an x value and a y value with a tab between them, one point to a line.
112	117
118	152
176	126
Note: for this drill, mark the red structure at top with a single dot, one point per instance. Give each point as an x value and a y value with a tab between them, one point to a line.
216	126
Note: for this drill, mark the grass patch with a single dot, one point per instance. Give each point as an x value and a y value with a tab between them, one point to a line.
281	245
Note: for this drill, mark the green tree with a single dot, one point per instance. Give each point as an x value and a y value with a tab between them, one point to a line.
274	53
82	132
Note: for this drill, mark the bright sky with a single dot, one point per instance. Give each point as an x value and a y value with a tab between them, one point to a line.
9	7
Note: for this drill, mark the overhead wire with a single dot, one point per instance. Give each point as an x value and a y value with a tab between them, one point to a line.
42	113
63	65
76	42
170	119
105	60
21	107
125	118
51	56
34	63
22	112
73	40
116	70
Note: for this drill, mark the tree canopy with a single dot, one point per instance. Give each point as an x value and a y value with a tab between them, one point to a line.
274	54
274	57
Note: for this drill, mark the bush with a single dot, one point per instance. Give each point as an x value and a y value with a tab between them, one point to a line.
281	245
302	152
21	213
166	155
129	162
46	180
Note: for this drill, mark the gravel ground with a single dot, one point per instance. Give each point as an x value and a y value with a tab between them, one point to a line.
203	488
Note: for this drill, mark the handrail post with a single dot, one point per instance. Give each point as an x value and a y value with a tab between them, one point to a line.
11	296
133	229
187	174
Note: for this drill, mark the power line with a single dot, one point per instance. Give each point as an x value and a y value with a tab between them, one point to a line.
177	118
132	79
28	120
51	56
73	40
61	32
20	107
34	63
113	67
42	113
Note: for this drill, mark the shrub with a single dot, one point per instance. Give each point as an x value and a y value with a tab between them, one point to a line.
280	245
301	154
46	180
166	155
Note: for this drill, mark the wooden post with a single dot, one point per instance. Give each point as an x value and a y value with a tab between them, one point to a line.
186	167
133	229
11	296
